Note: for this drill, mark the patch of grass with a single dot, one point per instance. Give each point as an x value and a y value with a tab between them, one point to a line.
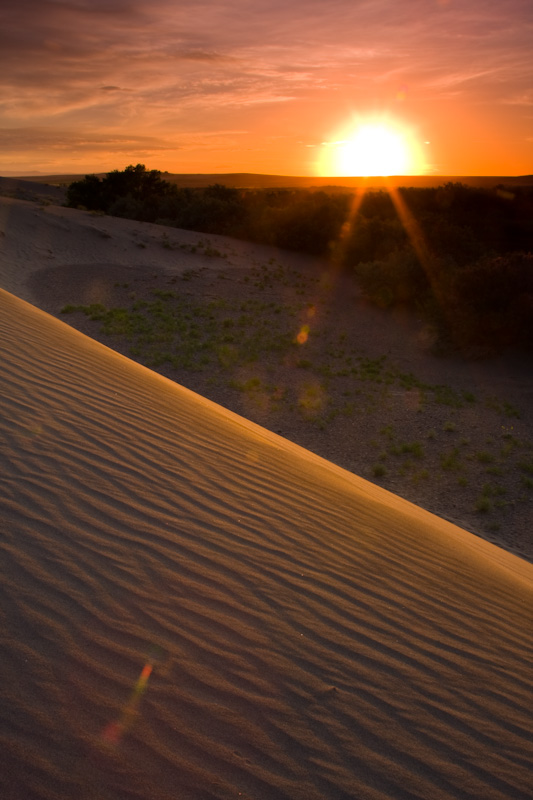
526	466
449	426
95	311
312	400
413	448
483	505
495	470
420	475
450	461
511	444
445	396
250	385
510	411
212	252
379	470
493	490
371	369
406	467
163	294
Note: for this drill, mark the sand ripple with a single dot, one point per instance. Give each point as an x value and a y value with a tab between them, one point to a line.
311	636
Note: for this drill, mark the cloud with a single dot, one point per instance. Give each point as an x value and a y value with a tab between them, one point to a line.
20	139
164	67
524	98
76	45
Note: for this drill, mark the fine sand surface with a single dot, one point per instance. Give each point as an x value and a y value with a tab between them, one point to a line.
302	634
468	462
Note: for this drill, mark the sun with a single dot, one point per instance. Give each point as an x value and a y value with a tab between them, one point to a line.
371	149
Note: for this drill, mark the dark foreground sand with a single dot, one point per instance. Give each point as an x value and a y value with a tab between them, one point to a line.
301	633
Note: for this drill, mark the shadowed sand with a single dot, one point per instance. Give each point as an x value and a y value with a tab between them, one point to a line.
303	633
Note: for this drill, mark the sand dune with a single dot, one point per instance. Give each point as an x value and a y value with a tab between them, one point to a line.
303	633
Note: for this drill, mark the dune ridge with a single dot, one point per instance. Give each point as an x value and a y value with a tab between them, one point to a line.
311	635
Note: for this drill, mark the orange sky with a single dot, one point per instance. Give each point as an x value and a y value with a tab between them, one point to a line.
243	86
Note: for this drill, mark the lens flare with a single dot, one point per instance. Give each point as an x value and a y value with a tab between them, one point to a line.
112	733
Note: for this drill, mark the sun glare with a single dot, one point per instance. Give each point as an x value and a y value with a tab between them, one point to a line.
371	149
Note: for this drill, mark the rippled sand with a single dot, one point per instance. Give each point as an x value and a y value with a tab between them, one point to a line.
192	607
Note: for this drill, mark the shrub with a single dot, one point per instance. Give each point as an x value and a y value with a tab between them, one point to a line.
398	279
492	301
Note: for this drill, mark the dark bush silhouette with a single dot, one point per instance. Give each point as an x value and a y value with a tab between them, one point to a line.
135	193
492	301
471	263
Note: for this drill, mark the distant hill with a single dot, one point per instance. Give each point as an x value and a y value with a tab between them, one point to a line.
249	180
37	189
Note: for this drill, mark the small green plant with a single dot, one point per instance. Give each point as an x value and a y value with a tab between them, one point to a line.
511	444
420	475
413	448
495	470
493	490
483	505
510	411
450	461
445	396
379	470
449	426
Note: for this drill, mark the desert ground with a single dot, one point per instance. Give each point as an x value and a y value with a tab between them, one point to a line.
363	390
199	602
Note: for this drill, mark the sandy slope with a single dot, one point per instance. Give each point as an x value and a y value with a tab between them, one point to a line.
36	237
51	256
312	636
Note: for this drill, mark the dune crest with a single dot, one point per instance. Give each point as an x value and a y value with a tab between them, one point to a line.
302	633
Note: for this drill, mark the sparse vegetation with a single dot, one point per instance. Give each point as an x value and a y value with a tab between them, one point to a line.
470	271
236	337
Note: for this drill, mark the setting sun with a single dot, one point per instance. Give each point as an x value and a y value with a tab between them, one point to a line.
372	148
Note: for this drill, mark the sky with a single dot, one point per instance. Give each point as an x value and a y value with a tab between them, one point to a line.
265	86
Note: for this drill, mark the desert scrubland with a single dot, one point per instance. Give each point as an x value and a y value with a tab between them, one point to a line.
236	578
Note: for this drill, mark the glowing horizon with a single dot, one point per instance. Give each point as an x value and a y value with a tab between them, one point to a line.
260	87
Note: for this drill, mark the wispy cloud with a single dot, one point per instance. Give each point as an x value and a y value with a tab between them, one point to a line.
165	68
